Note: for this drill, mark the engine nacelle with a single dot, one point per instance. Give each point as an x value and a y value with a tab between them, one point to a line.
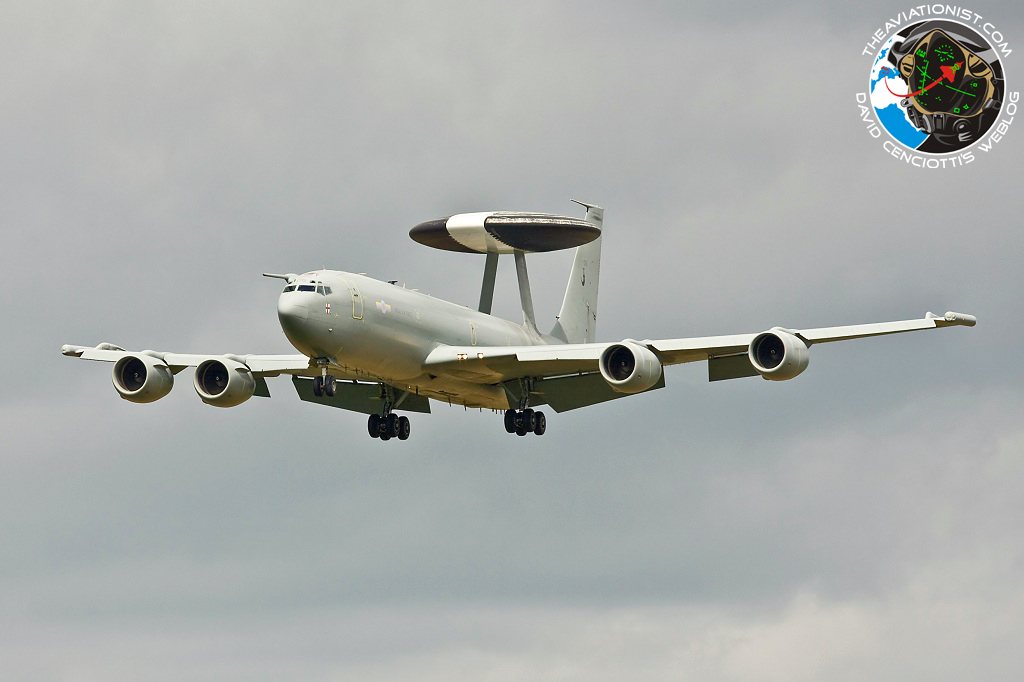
224	383
142	378
778	355
629	367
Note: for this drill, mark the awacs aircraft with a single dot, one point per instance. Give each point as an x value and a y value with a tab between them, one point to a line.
378	348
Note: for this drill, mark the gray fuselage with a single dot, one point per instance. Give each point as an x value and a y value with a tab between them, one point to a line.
372	330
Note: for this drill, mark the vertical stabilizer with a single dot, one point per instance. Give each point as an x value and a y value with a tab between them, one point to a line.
577	320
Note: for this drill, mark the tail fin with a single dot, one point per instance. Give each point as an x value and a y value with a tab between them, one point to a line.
577	320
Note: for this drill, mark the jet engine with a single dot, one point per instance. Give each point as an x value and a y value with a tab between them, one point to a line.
629	367
224	383
142	378
778	355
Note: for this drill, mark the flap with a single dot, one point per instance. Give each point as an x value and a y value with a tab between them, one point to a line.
359	397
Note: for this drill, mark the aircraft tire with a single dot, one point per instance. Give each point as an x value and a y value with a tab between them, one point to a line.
542	423
510	421
373	425
318	386
529	420
404	428
329	386
391	425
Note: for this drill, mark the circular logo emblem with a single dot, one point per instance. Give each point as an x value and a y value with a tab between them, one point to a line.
937	86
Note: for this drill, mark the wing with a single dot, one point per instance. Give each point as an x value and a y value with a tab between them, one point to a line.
728	357
221	380
259	365
228	380
501	363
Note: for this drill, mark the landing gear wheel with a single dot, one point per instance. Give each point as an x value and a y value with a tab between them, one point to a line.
541	424
392	425
373	425
529	420
510	421
404	428
318	386
329	386
385	436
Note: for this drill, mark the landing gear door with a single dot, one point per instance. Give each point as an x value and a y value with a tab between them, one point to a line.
357	300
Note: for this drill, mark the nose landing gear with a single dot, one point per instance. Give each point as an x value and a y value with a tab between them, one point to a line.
323	385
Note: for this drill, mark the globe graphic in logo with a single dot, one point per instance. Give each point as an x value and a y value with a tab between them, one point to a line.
937	86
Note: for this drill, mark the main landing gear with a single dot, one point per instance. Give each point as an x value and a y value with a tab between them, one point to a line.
522	422
384	426
388	426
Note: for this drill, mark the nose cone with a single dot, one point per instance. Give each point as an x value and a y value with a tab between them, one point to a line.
292	306
292	311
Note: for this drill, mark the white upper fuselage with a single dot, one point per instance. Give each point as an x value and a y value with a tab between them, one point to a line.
375	330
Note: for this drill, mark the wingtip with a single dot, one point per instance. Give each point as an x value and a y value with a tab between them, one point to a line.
961	319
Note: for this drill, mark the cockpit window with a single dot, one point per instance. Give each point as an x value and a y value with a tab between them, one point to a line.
317	287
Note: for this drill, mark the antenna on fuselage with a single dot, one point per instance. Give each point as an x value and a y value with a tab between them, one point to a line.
506	232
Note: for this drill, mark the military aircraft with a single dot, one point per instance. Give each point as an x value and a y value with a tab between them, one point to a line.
379	348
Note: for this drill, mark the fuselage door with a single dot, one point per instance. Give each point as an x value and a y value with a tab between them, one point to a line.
357	300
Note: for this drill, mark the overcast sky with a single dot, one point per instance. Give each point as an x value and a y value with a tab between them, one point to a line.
860	522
